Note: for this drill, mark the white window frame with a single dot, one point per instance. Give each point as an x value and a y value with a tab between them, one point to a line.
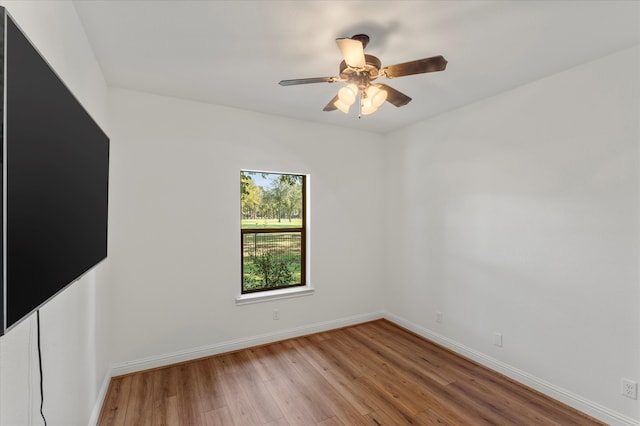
290	292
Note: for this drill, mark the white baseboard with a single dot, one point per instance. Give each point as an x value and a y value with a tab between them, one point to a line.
576	401
102	394
233	345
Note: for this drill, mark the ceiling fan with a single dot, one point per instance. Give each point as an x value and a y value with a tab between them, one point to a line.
359	71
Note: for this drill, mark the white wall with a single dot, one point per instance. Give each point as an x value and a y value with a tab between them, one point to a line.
175	212
72	323
519	214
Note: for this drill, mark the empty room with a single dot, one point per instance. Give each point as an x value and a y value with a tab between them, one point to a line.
329	212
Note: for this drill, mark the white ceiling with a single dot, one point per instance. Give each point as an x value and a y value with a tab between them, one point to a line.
234	53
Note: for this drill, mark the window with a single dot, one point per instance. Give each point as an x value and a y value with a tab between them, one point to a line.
273	230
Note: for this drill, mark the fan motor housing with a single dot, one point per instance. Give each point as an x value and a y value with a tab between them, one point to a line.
361	76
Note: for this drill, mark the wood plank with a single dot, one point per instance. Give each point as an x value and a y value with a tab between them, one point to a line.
462	388
516	397
262	402
429	417
398	348
404	380
167	412
114	411
333	421
266	361
279	422
242	365
141	406
373	373
189	401
219	416
325	394
238	402
230	363
292	391
209	389
165	388
334	378
294	408
436	395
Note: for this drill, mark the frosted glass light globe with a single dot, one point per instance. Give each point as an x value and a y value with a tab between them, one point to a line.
348	94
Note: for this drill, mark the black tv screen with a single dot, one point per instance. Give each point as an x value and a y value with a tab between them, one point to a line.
55	182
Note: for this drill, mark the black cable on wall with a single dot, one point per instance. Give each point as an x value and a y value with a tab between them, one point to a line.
40	366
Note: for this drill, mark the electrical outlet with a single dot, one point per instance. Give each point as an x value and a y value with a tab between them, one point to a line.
276	314
497	339
629	389
439	317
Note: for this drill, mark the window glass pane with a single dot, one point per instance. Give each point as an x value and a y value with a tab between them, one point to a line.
273	230
271	200
271	260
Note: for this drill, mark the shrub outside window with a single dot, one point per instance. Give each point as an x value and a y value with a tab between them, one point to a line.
273	230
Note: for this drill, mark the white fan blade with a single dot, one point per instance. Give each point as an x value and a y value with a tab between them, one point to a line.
352	51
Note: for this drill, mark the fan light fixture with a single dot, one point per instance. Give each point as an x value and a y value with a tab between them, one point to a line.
371	98
359	71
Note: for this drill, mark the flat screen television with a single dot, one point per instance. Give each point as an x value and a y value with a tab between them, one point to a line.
55	175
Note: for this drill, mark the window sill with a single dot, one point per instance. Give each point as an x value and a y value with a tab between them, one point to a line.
266	296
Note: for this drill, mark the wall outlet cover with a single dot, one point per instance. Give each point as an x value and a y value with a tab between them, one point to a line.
497	339
629	389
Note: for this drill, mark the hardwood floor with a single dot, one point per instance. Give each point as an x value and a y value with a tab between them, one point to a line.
369	374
